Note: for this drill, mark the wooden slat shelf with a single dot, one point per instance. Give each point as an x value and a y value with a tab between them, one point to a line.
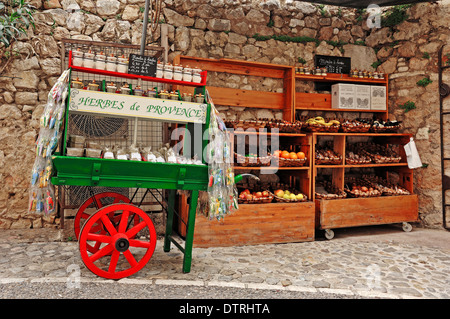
254	224
364	134
339	78
361	165
293	168
322	102
240	132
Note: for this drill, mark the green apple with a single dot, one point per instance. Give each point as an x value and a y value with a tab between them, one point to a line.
287	192
300	196
293	196
279	193
286	196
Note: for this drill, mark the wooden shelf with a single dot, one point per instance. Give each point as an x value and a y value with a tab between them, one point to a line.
254	224
322	102
363	134
361	165
241	132
350	212
248	98
248	168
339	78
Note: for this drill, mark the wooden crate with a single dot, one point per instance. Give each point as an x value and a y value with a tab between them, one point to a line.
255	224
367	211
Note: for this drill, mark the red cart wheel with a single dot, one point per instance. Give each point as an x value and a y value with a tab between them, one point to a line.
122	255
82	215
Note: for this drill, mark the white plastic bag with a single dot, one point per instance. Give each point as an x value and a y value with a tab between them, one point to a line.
412	155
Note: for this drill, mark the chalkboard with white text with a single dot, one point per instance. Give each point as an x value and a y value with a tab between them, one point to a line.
142	65
334	64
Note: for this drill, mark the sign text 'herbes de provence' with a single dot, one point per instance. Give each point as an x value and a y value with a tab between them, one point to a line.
101	103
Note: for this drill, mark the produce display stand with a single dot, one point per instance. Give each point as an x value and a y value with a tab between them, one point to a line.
259	223
362	211
109	234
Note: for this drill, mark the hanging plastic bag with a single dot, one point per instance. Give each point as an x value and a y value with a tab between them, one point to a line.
222	190
49	202
41	194
412	155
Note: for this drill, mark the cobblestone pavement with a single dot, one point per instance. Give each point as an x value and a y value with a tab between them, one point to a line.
392	264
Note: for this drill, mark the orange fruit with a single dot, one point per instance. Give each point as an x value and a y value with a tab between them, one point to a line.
300	155
293	155
285	154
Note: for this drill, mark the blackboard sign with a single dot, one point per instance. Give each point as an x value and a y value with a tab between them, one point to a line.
142	65
334	64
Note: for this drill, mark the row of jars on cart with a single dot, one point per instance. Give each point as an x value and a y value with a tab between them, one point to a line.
112	87
178	72
100	61
119	64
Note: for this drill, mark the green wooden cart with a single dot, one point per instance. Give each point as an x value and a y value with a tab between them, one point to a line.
110	240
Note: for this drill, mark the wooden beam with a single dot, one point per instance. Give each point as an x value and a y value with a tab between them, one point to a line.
246	98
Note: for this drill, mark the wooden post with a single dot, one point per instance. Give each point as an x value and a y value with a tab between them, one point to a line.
190	232
169	224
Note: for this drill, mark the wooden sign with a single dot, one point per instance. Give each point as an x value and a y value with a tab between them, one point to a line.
334	64
142	65
123	105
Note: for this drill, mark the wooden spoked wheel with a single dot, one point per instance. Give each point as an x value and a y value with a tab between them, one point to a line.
121	255
101	200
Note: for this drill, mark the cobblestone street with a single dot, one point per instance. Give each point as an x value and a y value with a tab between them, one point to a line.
387	264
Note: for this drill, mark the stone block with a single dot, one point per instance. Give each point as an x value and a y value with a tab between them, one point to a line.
9	111
219	25
51	66
107	7
176	19
362	56
26	80
29	98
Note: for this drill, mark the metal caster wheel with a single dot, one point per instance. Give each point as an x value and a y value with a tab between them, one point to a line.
406	227
329	234
120	254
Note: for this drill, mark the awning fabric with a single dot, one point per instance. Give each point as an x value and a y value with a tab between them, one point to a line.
362	4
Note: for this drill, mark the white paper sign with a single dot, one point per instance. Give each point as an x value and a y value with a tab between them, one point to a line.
123	105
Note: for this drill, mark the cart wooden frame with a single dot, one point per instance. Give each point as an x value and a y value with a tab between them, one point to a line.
113	228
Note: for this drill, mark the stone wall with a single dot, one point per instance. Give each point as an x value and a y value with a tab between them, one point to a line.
227	29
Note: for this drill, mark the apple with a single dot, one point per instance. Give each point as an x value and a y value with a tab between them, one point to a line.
246	191
259	195
286	196
287	192
279	193
293	196
265	194
300	196
249	197
364	189
242	196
